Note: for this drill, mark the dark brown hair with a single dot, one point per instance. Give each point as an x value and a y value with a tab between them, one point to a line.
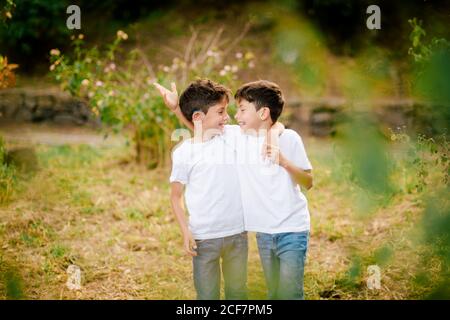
200	95
263	93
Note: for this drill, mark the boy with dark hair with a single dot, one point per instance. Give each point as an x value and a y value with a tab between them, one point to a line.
263	94
216	227
274	206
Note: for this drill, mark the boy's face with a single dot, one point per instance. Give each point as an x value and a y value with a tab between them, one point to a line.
247	116
215	118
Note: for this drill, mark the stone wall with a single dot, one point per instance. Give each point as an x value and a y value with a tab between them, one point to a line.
320	117
317	117
43	105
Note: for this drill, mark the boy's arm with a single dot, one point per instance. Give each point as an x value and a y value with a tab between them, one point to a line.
300	176
176	196
272	138
170	98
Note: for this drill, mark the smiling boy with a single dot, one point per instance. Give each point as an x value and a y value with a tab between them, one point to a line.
204	166
274	205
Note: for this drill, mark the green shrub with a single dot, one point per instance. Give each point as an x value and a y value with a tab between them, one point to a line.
7	176
117	84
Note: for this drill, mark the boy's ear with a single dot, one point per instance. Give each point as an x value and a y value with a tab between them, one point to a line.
264	113
198	116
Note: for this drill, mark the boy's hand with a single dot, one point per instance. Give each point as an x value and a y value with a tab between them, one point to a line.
189	244
170	97
272	152
272	140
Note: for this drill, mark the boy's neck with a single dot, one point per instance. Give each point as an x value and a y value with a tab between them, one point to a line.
262	129
202	135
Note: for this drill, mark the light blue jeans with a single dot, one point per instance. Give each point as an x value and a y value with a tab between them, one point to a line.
233	251
283	258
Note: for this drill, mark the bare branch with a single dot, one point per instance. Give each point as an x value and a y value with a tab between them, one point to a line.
203	55
238	39
188	50
187	55
147	63
173	51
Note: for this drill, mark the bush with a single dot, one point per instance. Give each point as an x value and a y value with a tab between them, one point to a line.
7	176
7	76
34	26
6	8
118	85
432	74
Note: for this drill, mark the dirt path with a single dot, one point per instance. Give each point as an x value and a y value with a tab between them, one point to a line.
57	135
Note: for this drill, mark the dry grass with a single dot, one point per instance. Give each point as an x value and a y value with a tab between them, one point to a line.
88	206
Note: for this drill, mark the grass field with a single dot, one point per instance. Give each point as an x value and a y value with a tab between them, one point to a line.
93	207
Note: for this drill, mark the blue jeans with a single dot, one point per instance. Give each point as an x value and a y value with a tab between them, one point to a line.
283	259
234	253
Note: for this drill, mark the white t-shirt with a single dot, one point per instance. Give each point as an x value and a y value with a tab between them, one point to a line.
212	194
272	201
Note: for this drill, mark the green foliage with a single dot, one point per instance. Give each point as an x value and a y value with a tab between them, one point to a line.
364	162
36	24
432	73
7	76
419	51
6	10
430	158
58	251
425	168
422	52
436	226
7	176
14	287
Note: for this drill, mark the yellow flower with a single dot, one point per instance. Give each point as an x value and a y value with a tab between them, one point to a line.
81	36
8	14
122	35
249	55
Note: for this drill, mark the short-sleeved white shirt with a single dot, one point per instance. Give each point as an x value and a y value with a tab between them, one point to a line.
272	201
212	195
